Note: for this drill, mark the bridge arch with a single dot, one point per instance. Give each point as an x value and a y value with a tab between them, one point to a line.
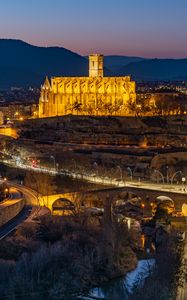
63	206
164	202
164	198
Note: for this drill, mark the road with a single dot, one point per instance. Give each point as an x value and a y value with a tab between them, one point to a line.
172	188
6	229
27	213
29	194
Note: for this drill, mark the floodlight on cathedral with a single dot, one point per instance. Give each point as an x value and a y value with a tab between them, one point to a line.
92	95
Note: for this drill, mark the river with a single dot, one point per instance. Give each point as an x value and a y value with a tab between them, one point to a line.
120	288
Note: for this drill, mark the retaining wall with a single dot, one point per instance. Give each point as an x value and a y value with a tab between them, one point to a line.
10	209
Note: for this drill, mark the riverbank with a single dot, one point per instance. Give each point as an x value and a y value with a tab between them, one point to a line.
120	288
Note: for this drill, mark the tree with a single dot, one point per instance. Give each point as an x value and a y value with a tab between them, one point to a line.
165	105
119	107
77	106
43	184
131	106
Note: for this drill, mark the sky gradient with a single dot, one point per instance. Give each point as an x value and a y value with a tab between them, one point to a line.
148	28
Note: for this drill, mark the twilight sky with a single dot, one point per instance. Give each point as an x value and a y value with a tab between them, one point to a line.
149	28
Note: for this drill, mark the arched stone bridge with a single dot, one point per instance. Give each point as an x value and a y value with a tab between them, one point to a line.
97	197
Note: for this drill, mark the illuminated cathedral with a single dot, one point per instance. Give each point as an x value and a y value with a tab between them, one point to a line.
92	95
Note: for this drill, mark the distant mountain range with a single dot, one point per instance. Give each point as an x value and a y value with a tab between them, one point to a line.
156	69
116	62
22	64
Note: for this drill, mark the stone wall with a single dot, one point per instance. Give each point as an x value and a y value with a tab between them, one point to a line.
10	209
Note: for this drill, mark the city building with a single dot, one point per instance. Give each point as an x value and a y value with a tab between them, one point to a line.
18	111
92	95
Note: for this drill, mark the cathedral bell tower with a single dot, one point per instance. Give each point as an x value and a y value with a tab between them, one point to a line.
95	65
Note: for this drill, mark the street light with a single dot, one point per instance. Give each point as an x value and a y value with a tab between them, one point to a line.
175	174
130	171
121	172
6	192
167	175
183	183
143	207
162	176
104	173
75	165
54	161
95	164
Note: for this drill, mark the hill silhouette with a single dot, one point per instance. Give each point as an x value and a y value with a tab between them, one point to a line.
156	69
116	62
22	64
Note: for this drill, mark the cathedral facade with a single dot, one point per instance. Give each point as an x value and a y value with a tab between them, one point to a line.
93	95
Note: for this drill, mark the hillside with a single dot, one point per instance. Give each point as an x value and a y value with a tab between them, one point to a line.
156	69
22	64
115	62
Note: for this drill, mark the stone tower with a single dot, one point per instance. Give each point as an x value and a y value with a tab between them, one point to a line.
95	65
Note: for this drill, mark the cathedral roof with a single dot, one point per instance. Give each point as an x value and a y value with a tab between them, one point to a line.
46	84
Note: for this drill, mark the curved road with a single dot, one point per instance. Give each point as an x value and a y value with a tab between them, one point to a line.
12	224
27	213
